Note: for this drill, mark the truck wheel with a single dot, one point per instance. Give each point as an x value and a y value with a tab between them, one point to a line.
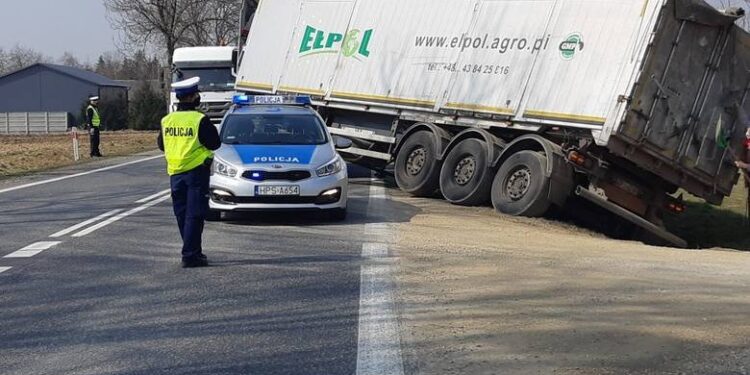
417	168
520	187
465	178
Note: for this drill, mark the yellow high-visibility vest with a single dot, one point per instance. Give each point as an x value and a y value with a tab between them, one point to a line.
95	119
183	151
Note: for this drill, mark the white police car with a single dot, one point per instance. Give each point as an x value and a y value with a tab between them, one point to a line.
277	154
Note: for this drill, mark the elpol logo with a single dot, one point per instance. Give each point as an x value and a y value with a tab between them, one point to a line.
571	45
356	43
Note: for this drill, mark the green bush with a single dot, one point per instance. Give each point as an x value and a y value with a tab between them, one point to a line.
147	109
114	114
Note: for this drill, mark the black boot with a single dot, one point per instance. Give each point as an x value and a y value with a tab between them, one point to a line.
195	262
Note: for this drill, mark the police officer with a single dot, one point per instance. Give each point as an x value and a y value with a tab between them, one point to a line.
188	138
93	121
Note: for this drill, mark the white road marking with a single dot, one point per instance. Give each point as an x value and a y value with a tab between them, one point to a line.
379	341
150	197
363	179
78	174
83	224
121	216
3	269
31	250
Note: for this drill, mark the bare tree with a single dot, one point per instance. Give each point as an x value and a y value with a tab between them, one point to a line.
215	23
19	57
170	24
160	22
69	59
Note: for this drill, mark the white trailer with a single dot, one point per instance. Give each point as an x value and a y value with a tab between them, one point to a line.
523	103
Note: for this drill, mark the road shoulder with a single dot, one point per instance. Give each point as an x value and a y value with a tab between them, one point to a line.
485	294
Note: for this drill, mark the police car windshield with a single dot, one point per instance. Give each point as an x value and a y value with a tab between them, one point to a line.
264	129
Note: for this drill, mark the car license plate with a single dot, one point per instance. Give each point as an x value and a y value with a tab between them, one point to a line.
277	190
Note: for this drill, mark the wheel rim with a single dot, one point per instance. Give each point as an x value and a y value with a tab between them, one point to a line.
464	171
416	161
518	183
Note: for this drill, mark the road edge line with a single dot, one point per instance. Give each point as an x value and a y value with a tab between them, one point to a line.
378	335
61	178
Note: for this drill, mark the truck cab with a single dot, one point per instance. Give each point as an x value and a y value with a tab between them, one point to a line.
215	67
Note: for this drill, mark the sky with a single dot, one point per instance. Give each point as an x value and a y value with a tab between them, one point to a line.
56	26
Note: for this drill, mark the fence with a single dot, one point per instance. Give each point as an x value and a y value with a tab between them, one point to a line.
33	122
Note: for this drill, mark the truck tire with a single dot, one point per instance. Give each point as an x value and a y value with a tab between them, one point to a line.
417	167
465	177
521	187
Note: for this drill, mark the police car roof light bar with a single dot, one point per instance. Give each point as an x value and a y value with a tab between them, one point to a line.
243	99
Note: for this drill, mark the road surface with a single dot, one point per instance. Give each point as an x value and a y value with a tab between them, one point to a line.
91	281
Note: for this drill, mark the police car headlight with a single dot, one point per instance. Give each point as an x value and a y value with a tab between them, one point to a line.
330	168
224	169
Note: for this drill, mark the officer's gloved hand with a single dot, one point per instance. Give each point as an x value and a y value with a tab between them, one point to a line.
91	130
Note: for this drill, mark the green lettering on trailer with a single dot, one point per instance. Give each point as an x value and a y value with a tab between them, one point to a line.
315	41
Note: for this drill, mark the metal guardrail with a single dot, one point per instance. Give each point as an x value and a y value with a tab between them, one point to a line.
33	122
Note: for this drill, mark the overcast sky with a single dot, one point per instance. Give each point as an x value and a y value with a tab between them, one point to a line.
56	26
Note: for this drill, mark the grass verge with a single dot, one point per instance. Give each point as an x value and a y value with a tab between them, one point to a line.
22	154
706	226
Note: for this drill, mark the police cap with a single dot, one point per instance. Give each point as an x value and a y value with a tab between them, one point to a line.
186	87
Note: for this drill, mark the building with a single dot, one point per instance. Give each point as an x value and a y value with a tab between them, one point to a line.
57	88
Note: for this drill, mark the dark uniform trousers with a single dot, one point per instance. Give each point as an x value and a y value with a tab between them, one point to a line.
190	203
94	138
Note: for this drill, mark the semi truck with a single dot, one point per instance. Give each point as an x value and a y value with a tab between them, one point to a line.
216	68
528	105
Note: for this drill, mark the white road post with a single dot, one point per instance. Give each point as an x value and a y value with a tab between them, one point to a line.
74	133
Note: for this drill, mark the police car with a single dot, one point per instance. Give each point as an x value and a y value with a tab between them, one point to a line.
277	154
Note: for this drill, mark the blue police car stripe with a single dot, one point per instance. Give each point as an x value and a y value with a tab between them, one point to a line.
283	154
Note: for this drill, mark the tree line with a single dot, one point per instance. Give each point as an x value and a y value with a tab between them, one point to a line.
136	67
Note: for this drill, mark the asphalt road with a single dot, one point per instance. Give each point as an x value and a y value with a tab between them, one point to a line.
282	295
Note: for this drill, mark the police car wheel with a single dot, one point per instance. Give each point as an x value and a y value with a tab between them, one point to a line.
337	214
521	187
466	178
213	215
417	168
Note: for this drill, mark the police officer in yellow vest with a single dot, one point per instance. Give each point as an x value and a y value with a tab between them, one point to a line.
93	121
188	139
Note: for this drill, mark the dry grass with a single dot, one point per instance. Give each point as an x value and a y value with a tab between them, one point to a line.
705	226
25	154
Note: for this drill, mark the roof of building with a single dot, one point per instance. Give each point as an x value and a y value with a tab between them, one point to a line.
80	74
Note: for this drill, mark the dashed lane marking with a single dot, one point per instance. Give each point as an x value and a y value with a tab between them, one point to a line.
85	223
121	216
33	249
3	269
24	186
378	339
150	197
